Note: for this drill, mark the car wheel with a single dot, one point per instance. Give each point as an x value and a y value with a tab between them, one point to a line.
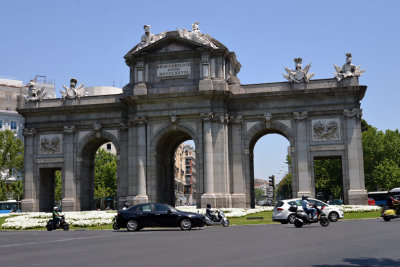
132	225
387	219
333	216
291	218
185	224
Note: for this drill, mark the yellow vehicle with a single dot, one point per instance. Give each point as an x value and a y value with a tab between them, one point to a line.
394	212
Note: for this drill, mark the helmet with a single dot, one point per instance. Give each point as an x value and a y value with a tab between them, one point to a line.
126	204
55	208
208	206
304	197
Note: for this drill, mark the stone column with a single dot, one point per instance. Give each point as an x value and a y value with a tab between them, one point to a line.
141	195
68	183
302	152
30	201
357	194
208	161
122	171
238	187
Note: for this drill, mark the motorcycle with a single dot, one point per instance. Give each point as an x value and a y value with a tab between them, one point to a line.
217	220
302	218
51	225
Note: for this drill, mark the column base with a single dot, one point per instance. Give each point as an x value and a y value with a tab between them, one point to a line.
304	193
28	205
357	197
217	200
68	204
140	199
238	201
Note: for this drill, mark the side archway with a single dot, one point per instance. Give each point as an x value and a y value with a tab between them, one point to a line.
86	151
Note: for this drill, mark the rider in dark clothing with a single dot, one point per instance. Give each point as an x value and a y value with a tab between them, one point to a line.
209	213
56	216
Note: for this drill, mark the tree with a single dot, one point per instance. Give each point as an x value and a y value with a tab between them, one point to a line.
58	186
284	189
381	159
105	175
11	163
328	177
258	193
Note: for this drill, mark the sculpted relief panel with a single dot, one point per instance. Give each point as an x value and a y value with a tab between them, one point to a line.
326	129
51	144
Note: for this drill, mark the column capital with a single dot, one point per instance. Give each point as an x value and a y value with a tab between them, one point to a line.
123	125
29	132
352	112
222	117
300	115
69	129
139	120
206	116
238	119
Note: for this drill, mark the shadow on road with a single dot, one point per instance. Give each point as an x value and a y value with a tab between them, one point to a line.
158	230
364	262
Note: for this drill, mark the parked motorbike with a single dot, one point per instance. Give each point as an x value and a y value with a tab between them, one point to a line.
302	218
217	220
51	225
115	223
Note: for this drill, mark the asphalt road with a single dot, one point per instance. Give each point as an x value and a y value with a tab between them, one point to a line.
345	243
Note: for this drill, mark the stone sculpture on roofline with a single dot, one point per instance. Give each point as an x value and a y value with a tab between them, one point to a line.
348	69
196	35
149	38
73	92
33	93
298	75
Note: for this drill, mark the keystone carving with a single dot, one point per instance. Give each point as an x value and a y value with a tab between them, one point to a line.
97	127
173	119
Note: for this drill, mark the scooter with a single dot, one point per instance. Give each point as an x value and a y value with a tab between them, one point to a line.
221	220
51	225
115	223
389	214
302	218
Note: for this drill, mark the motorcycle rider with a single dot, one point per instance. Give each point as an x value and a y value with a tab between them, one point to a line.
126	206
212	214
56	216
393	203
306	206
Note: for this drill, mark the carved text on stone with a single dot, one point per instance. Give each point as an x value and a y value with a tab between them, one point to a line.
174	69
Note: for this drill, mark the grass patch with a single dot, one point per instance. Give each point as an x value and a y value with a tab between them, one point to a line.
2	220
243	220
361	215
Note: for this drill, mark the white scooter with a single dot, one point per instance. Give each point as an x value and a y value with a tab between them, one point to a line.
217	220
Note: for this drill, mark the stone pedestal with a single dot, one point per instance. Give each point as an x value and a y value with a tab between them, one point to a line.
205	84
351	81
238	200
140	199
208	198
140	89
28	205
358	197
68	204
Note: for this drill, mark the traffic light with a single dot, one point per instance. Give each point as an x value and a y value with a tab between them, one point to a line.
271	181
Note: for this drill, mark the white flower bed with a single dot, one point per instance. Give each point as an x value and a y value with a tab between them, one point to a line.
33	220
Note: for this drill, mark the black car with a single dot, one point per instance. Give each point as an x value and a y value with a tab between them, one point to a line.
157	215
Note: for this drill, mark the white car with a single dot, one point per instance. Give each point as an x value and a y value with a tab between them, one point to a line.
283	215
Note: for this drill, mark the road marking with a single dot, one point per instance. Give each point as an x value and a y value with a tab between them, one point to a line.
51	241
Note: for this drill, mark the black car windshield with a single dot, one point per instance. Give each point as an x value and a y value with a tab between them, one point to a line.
171	208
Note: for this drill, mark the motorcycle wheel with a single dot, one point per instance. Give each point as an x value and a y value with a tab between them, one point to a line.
298	224
49	226
225	223
324	221
116	226
387	219
66	227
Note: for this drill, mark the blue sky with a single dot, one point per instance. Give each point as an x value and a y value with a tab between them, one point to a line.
88	39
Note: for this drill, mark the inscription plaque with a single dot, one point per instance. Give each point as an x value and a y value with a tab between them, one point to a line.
173	69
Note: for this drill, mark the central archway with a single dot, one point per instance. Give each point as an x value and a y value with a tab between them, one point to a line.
168	140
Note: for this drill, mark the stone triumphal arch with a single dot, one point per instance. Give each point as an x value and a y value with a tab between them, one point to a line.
184	85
